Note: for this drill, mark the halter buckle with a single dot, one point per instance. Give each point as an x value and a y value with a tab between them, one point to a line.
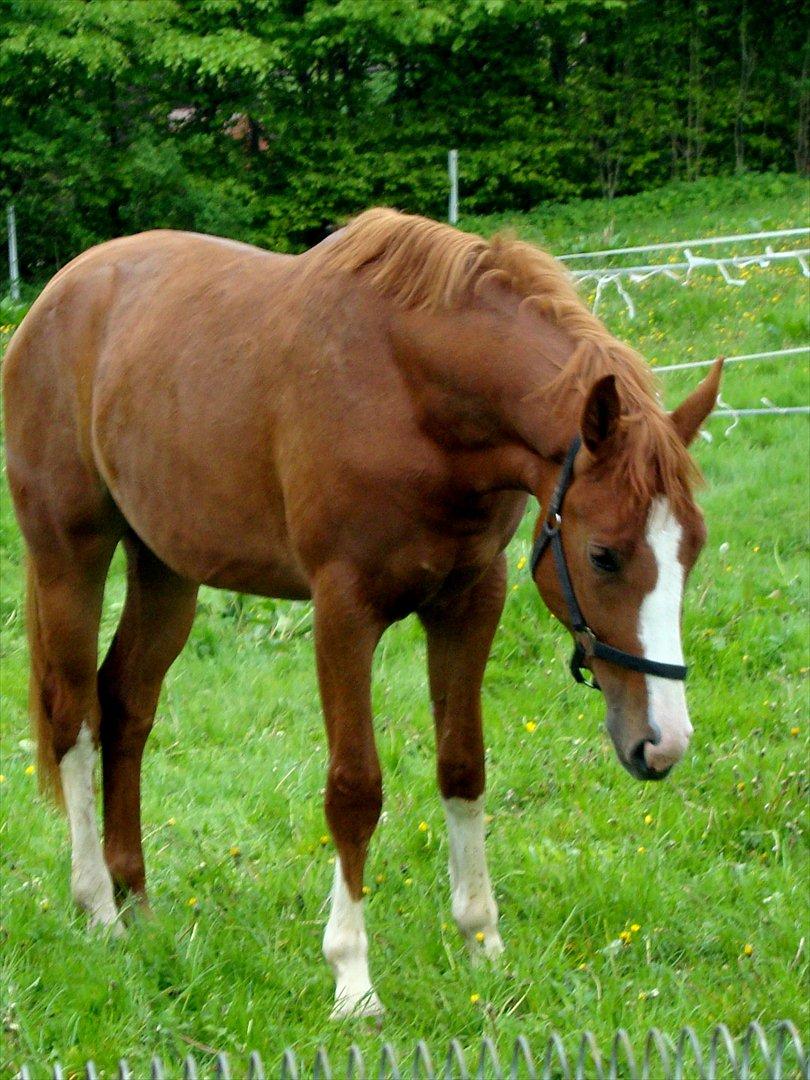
552	524
586	639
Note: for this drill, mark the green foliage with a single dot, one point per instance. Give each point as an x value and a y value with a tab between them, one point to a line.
238	755
12	313
272	120
678	211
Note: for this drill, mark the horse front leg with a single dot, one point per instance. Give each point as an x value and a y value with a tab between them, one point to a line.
346	634
459	636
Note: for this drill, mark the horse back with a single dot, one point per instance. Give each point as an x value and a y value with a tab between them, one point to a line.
135	384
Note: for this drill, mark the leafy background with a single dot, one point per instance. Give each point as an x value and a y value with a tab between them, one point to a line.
272	120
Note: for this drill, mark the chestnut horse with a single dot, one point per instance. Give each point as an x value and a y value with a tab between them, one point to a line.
361	424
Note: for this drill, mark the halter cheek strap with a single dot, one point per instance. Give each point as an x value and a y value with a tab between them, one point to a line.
587	644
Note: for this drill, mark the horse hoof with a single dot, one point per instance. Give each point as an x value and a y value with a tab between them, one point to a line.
357	1007
490	948
112	928
135	910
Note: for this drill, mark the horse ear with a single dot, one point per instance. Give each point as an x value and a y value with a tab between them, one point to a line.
691	413
600	416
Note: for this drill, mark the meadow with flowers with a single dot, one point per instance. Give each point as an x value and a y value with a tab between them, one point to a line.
622	904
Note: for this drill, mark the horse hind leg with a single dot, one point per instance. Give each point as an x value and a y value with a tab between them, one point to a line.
64	606
155	624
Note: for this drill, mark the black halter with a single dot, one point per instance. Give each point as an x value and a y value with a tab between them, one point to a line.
587	644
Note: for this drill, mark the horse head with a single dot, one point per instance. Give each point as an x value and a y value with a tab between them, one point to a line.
625	532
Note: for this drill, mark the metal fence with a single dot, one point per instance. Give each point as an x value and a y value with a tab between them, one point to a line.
752	1056
604	273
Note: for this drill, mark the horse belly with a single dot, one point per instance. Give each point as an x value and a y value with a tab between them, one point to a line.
230	535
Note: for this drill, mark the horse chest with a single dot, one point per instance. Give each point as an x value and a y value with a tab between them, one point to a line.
444	547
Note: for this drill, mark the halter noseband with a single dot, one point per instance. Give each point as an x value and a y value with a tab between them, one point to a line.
587	644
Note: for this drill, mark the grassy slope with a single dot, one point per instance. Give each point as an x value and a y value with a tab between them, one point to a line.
705	864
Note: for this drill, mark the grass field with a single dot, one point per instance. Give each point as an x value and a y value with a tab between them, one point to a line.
711	866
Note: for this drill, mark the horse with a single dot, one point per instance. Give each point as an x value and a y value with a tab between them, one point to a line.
360	425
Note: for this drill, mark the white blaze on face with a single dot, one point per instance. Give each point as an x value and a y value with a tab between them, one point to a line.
659	630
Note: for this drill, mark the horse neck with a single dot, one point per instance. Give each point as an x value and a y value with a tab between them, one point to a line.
478	377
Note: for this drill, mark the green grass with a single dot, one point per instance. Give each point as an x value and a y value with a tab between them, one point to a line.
706	863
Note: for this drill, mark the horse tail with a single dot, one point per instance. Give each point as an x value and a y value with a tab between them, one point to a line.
47	767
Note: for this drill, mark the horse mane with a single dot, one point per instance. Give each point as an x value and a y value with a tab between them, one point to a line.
424	265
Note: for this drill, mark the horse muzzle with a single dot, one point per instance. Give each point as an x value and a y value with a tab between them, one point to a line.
653	756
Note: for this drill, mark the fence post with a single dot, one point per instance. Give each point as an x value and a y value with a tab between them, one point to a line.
13	268
452	169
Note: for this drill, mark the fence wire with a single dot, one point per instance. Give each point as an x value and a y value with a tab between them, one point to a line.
681	272
773	354
752	1056
681	245
766	406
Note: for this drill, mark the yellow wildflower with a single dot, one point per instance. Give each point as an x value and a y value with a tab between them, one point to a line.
648	819
748	949
380	878
408	881
479	937
234	851
521	562
475	998
625	936
192	901
171	821
366	890
324	840
793	731
29	770
642	850
634	928
423	826
530	726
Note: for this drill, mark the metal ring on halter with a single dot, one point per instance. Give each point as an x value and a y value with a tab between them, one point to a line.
586	639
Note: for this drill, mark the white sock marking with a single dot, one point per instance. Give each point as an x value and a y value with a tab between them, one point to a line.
660	636
345	946
474	907
90	879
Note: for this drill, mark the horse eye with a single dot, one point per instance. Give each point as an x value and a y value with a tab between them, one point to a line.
604	559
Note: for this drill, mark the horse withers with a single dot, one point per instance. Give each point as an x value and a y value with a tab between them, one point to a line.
361	424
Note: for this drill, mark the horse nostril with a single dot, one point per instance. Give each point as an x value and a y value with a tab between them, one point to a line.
637	759
638	762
